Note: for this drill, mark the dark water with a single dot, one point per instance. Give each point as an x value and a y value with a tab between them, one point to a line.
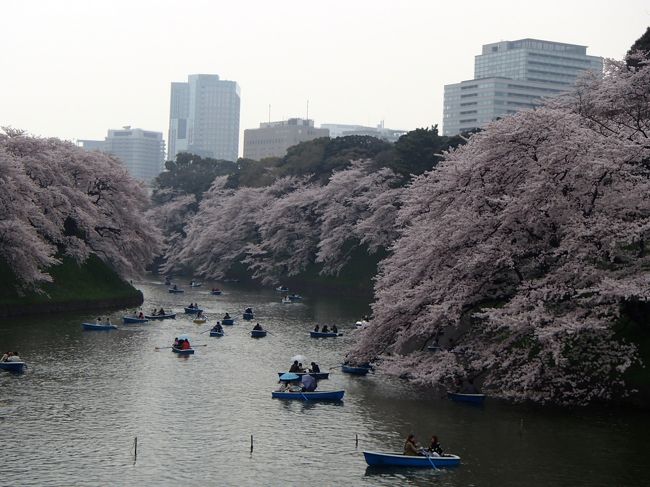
71	419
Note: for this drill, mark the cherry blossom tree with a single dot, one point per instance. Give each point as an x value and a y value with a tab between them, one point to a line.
60	200
517	253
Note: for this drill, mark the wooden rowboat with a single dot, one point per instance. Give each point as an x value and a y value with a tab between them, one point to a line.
189	351
320	334
460	397
200	321
133	319
399	460
310	396
12	366
169	316
348	369
97	326
315	375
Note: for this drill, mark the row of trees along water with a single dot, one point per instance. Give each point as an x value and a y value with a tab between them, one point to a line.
521	252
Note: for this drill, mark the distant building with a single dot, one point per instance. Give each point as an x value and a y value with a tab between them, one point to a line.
141	151
204	117
272	139
342	130
513	75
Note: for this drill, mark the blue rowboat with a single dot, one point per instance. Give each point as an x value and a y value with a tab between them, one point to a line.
216	293
320	334
248	316
193	311
310	396
315	375
216	333
348	369
399	460
228	321
12	366
133	319
189	351
176	291
169	316
295	297
282	289
96	326
460	397
258	333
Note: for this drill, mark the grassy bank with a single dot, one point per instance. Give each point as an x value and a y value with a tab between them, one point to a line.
91	285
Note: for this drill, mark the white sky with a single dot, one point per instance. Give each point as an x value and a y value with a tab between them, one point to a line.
75	68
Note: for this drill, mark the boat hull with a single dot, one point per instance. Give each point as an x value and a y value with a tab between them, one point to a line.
248	316
228	321
397	460
176	291
355	370
12	366
315	375
320	334
132	319
189	351
199	321
216	293
96	327
471	398
310	396
217	333
258	333
170	316
193	311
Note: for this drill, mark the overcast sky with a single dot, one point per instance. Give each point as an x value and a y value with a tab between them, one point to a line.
73	69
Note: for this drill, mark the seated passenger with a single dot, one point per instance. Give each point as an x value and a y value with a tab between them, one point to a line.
325	329
6	356
257	327
294	367
14	357
410	446
434	446
98	320
334	329
141	315
176	343
226	316
218	328
186	345
315	368
161	312
316	328
248	310
301	369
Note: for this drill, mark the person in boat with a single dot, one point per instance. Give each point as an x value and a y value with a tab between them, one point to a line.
411	447
161	312
199	315
325	329
334	329
176	343
175	287
13	357
248	310
141	315
98	320
186	345
294	367
5	357
108	321
308	383
316	328
218	328
469	388
257	327
315	368
434	446
301	369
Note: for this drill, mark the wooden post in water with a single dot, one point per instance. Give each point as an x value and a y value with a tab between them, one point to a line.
251	443
356	440
135	449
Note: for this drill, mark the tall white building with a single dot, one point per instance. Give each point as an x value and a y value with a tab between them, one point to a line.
204	117
513	75
380	132
141	151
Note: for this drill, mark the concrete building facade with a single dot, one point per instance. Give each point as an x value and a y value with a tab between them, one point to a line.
513	75
380	132
272	139
204	117
141	151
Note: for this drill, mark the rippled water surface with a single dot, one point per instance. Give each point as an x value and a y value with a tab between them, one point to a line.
71	419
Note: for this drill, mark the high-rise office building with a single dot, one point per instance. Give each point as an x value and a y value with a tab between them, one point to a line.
513	75
141	151
272	139
204	117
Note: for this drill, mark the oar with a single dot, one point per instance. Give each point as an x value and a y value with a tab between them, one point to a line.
431	461
160	348
209	329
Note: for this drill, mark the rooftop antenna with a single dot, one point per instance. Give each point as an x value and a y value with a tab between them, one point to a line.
269	113
307	109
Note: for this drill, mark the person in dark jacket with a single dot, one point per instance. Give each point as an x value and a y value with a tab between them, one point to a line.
294	367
